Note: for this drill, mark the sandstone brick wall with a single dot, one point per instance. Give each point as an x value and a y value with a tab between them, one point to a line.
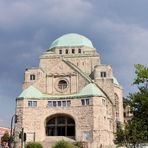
94	123
92	119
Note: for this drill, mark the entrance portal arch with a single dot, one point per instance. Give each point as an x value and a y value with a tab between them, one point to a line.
60	125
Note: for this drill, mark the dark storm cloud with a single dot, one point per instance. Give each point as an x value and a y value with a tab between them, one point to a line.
118	29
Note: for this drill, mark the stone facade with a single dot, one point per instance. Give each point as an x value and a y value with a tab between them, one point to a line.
70	82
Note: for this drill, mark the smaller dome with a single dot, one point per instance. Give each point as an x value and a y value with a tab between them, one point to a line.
71	39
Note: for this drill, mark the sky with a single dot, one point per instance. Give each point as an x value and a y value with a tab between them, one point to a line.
118	30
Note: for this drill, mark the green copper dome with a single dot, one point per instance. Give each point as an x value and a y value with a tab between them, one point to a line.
71	39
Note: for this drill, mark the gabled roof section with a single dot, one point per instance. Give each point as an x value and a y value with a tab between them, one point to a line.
30	92
73	66
91	90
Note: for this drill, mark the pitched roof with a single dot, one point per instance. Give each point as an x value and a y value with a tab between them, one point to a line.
91	90
30	92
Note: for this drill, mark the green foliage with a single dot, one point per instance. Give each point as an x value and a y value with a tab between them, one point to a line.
33	145
138	126
11	139
63	144
136	130
120	137
141	74
125	102
5	137
78	144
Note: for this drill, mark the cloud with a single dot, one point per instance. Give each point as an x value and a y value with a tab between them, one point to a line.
126	45
26	30
7	109
1	122
118	29
23	13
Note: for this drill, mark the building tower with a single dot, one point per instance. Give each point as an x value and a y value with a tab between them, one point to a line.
70	96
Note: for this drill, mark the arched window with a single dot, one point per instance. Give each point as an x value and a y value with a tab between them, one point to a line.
60	125
116	105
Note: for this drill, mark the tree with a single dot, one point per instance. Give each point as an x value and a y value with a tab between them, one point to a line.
5	137
141	75
139	105
136	130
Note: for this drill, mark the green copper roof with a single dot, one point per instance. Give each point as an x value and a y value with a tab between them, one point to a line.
71	39
115	81
30	92
91	90
88	91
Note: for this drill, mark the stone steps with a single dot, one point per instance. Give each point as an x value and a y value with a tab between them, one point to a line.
51	140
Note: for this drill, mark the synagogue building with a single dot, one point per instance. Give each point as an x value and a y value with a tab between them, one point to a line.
71	95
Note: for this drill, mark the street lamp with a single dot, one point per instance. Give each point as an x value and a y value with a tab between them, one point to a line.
11	131
13	117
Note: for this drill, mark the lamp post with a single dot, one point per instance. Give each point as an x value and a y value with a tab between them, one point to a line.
12	124
11	131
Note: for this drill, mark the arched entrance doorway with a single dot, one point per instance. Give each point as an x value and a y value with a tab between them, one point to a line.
60	125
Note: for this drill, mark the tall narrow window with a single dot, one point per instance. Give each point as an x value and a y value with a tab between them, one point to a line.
34	103
79	50
85	102
54	103
103	74
66	51
59	103
60	51
73	51
32	77
63	103
29	103
50	103
68	103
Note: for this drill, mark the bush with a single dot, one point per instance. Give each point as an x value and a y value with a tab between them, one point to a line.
33	145
79	144
5	137
63	144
